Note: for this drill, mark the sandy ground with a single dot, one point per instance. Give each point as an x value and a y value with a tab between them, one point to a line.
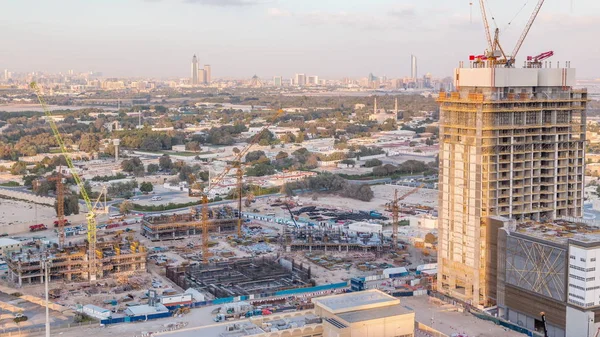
445	319
383	194
16	212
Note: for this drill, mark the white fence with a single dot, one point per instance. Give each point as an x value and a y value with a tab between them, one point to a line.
27	197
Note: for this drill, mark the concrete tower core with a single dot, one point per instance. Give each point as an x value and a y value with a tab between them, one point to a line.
116	143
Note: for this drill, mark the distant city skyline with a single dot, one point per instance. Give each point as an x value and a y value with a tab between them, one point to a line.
334	39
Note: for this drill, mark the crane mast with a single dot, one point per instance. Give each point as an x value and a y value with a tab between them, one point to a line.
90	216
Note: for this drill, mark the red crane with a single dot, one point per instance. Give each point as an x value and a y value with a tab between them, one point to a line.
536	61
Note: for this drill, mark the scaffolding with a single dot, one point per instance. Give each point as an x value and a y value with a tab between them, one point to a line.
334	240
70	264
512	152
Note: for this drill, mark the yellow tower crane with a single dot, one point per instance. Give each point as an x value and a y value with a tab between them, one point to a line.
91	215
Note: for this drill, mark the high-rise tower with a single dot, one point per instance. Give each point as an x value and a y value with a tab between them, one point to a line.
413	67
195	79
207	74
512	143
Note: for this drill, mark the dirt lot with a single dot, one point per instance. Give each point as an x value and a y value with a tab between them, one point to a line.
446	319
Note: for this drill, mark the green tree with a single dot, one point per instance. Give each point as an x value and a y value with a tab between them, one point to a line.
134	166
193	146
18	168
260	169
165	162
185	173
152	168
71	205
430	238
125	207
373	163
146	187
348	162
255	156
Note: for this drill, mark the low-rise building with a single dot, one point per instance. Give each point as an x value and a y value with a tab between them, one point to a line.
8	245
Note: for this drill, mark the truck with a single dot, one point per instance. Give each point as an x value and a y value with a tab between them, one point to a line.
113	225
37	228
65	223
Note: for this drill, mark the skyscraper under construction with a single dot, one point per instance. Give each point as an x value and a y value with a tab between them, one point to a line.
512	144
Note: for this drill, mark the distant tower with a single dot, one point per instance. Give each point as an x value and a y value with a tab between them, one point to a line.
396	105
375	106
201	76
278	81
300	80
194	70
413	67
116	143
6	74
207	75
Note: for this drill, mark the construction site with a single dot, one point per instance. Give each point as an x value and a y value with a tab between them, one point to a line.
335	240
179	226
242	277
71	263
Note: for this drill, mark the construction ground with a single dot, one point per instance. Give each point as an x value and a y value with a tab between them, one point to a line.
124	283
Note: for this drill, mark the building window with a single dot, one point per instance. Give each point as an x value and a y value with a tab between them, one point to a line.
572	257
593	259
590	279
576	296
577	277
591	269
577	267
582	259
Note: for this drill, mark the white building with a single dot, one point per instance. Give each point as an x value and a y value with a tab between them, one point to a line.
425	221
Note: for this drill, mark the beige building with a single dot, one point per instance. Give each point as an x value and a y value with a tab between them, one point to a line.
512	144
369	313
8	245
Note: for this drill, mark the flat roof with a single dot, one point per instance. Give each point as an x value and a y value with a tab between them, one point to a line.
8	242
560	232
361	300
95	308
371	314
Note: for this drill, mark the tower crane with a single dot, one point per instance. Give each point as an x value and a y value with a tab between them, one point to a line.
91	215
237	164
395	206
495	50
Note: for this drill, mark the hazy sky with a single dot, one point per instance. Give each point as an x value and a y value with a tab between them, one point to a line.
240	38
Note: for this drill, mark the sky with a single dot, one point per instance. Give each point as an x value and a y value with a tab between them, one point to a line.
328	38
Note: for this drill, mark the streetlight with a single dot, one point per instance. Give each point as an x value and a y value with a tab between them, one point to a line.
46	264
